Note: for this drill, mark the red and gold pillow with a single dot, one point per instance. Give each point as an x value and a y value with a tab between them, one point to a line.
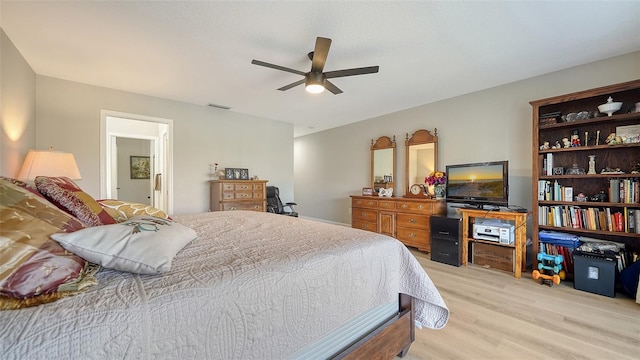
68	196
34	268
123	210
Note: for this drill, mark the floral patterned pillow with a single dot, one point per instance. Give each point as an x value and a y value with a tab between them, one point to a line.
68	196
123	210
34	268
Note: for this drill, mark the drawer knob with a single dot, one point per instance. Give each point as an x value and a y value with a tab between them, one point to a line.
245	195
364	213
443	232
232	208
370	203
404	206
412	235
363	227
420	207
413	221
244	187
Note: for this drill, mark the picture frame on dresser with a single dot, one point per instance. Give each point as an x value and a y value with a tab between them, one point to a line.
367	191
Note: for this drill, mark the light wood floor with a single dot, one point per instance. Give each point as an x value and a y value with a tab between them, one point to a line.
496	316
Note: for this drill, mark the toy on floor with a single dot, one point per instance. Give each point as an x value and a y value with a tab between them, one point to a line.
549	269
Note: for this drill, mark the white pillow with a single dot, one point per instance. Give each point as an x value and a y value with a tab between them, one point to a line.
142	244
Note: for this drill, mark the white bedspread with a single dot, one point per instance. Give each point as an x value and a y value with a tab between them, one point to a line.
251	286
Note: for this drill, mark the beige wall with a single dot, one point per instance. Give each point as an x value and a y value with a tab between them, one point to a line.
17	107
68	118
493	124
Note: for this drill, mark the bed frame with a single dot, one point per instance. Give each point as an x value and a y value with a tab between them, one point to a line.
392	338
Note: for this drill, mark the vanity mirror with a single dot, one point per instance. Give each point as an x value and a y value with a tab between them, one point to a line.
383	163
421	158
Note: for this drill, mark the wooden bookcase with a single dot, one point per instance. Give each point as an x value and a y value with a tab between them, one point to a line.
624	156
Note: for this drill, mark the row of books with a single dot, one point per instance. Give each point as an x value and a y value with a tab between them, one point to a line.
624	191
590	218
553	191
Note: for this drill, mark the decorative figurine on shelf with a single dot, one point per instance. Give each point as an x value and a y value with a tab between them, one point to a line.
565	142
556	145
544	146
586	138
635	169
581	197
575	138
612	139
598	137
592	165
610	170
599	197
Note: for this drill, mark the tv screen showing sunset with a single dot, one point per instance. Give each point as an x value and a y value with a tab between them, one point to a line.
476	181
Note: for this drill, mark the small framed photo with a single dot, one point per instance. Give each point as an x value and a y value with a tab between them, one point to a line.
367	191
244	174
229	173
140	167
568	193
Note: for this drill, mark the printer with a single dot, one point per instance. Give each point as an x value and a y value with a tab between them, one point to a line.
492	230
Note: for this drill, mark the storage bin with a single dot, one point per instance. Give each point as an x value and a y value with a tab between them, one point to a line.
594	273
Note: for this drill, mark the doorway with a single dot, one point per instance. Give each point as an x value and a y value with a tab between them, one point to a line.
134	167
122	135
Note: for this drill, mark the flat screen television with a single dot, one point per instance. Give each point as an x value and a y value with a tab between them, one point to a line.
478	184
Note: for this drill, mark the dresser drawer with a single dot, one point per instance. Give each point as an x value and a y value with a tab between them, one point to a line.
414	207
386	204
365	203
247	205
363	225
364	215
413	237
413	221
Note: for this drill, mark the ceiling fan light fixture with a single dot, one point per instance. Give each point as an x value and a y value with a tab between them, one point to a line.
314	83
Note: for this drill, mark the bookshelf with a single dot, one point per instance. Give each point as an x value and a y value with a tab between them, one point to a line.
601	198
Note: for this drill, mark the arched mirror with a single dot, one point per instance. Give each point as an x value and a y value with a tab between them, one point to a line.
383	163
421	156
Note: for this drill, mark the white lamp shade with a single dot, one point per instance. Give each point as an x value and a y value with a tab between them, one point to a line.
49	163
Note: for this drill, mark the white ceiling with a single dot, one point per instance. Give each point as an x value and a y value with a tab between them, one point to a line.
200	52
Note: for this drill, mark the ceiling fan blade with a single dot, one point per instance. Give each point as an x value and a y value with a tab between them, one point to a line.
334	89
351	72
320	54
277	67
287	87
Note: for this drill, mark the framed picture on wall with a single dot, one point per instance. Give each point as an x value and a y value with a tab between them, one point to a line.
140	167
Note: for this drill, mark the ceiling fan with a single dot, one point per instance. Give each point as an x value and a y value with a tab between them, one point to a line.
316	80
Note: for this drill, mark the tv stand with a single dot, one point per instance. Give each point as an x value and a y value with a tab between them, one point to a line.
519	219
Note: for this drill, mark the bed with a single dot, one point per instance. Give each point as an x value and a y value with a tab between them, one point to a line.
250	286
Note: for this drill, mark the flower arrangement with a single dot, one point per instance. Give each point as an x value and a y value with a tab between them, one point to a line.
436	178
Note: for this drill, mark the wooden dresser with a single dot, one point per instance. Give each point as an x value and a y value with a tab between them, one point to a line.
405	219
238	195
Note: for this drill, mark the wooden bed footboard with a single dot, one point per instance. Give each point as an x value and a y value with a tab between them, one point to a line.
392	338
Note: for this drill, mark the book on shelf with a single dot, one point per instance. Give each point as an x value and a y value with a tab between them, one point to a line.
549	164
